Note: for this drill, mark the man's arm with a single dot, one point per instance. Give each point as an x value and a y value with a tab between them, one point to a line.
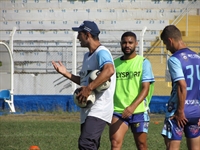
177	75
179	114
107	71
147	78
144	92
105	62
60	68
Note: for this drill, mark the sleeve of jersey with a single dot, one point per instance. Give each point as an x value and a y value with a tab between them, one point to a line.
175	69
104	57
147	73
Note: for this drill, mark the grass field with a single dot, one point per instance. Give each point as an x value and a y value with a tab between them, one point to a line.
60	131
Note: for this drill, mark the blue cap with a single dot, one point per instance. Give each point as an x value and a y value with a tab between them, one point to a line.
88	26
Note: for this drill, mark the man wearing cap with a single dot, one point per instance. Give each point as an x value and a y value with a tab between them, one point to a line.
95	118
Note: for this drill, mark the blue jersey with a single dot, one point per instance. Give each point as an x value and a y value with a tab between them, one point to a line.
185	65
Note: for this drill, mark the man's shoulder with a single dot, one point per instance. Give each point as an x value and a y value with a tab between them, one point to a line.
102	47
141	58
102	50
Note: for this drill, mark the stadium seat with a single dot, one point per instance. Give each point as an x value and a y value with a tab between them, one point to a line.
6	96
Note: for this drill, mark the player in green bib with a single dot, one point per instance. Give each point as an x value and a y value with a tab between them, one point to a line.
133	91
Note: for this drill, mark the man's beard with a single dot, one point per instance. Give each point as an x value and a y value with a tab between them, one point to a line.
128	53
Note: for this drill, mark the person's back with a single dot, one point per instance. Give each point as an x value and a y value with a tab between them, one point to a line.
190	63
183	109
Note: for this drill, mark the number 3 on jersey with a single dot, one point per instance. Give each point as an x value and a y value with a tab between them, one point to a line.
193	70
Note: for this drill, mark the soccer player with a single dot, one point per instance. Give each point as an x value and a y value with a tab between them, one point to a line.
183	109
134	87
94	119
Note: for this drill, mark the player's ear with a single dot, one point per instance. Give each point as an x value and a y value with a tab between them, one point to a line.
170	39
88	35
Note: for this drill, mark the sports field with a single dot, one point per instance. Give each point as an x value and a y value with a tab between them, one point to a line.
60	131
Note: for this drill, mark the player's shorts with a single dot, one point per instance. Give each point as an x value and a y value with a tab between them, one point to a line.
91	131
137	122
173	132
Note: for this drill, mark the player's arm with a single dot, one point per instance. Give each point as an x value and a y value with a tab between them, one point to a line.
179	114
60	68
106	66
141	96
177	75
106	72
147	78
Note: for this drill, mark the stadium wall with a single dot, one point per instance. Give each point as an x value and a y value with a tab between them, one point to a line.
53	103
44	34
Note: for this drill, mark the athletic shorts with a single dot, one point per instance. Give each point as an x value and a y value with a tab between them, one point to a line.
137	122
91	131
173	132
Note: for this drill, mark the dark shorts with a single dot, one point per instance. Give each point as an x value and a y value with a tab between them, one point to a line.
137	122
173	132
91	131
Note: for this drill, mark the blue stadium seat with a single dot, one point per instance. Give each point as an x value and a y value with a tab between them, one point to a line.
6	96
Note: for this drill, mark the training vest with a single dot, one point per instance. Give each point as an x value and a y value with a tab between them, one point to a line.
129	84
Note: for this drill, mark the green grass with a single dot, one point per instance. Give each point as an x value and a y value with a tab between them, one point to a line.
60	131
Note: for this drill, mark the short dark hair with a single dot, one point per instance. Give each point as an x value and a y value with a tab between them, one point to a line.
171	31
95	37
129	33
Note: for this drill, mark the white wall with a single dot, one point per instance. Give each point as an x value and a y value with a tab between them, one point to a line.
44	33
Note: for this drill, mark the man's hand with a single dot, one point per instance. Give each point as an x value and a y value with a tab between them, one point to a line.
128	111
83	94
60	68
180	118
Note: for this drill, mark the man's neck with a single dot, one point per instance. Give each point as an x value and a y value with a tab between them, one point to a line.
127	57
94	46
